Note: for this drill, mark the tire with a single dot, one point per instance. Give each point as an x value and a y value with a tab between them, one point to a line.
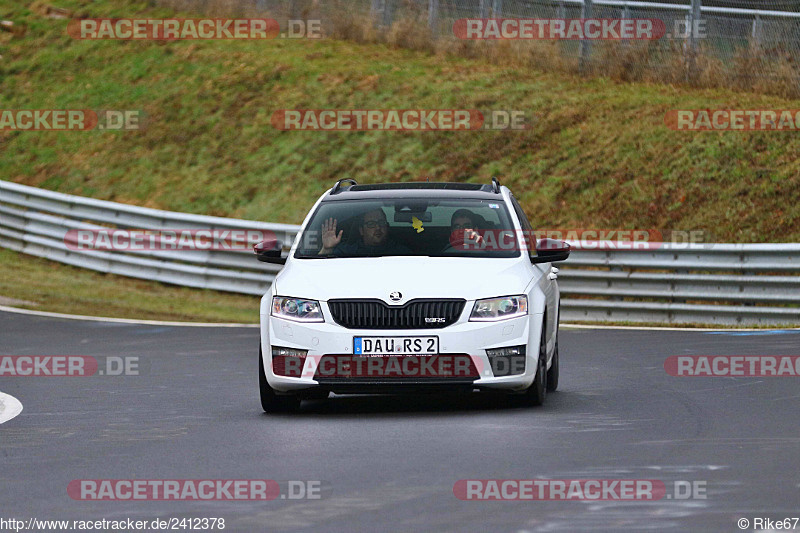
552	374
270	401
537	392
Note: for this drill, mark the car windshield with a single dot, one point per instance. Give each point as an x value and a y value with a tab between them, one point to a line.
409	227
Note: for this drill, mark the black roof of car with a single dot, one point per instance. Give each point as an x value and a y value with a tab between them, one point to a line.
412	190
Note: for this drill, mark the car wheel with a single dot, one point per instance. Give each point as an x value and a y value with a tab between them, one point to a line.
537	392
552	374
270	401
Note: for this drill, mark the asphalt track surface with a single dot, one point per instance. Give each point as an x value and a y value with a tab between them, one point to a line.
390	463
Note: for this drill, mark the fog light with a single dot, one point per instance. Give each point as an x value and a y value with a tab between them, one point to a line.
507	361
511	350
288	362
288	352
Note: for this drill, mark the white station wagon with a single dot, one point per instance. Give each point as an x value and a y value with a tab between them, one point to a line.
408	288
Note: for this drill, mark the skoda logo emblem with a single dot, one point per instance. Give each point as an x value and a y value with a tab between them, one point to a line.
396	296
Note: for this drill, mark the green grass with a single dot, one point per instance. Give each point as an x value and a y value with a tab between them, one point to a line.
34	283
598	154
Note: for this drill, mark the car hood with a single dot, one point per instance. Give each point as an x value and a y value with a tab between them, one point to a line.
413	277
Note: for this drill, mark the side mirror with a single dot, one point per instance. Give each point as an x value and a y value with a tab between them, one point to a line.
270	252
550	251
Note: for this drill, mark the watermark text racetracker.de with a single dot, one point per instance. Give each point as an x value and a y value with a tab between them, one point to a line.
71	119
191	29
194	489
578	239
733	119
732	365
117	239
400	120
578	489
70	366
559	29
295	363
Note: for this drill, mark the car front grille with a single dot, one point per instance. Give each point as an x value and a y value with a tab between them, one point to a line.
375	314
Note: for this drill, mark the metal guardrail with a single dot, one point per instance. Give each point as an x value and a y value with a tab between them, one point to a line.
734	284
36	221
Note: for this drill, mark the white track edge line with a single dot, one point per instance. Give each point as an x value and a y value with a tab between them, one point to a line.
667	328
125	320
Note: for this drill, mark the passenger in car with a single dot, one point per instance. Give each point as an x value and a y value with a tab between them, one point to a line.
374	238
464	228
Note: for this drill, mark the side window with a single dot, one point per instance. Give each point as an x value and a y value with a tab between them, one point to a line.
527	229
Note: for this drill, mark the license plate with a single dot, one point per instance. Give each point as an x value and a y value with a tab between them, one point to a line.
395	345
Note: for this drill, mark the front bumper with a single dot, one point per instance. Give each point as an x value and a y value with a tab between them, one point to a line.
463	337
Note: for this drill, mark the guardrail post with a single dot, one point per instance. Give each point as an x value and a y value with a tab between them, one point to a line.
585	49
374	10
692	22
757	30
497	8
433	16
626	14
386	19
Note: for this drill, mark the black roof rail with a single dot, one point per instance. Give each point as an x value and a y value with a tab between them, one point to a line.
339	183
495	185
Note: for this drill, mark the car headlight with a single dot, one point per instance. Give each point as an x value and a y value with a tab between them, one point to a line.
493	309
297	309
